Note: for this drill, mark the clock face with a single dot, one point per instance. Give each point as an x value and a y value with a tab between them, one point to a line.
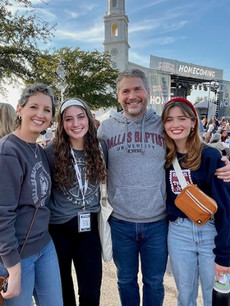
114	52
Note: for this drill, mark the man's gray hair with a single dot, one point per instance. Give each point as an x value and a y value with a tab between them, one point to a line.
132	73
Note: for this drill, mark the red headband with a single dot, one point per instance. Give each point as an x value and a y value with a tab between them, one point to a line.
179	99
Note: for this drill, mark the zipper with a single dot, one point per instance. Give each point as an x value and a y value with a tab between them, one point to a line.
200	204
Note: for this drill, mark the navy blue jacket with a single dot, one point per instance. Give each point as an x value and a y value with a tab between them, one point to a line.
205	179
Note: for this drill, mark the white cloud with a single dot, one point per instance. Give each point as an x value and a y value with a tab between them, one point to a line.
154	3
94	34
46	13
89	7
134	57
72	14
161	24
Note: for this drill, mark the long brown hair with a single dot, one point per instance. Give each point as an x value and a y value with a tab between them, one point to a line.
194	143
65	175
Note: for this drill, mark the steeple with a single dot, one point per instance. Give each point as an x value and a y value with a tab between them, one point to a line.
116	33
116	7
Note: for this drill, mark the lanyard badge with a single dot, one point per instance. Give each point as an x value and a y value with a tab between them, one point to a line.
84	222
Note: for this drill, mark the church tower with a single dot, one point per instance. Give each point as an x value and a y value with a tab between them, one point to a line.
116	34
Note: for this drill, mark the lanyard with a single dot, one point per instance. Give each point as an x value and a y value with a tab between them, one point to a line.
82	188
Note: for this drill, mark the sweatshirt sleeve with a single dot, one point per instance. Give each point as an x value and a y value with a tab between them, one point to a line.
10	181
220	191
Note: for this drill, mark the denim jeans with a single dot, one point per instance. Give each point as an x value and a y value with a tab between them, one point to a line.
149	240
192	259
3	270
41	278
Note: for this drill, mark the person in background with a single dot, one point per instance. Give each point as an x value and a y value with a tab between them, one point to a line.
7	117
215	142
212	128
223	123
204	123
136	190
77	168
196	252
224	135
25	183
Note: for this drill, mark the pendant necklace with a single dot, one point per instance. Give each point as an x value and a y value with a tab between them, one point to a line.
34	151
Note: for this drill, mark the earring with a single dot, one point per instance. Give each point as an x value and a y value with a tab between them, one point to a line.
19	117
192	129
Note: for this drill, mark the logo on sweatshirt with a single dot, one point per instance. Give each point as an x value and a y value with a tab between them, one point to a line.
41	183
135	141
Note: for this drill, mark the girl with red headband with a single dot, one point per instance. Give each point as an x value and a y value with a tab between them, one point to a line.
196	252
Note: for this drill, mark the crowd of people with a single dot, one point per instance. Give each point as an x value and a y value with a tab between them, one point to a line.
139	147
216	132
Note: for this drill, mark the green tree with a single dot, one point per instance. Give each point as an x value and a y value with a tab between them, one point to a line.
88	75
19	35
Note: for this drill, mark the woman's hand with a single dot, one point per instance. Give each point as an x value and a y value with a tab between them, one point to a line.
14	282
220	270
224	172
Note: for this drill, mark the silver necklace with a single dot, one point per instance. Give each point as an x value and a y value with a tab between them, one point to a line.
34	151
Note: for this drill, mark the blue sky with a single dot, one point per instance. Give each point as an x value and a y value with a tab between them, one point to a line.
190	31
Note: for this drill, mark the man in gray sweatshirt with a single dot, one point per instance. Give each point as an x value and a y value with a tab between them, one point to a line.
136	189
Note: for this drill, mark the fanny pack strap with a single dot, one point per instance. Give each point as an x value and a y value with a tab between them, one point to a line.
179	173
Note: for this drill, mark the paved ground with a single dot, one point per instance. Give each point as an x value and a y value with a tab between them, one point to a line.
109	293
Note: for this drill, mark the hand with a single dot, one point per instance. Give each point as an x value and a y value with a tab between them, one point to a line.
224	172
221	270
14	282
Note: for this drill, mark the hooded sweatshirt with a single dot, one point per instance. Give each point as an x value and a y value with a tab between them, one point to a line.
136	175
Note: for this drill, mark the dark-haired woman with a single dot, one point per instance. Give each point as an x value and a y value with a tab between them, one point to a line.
77	168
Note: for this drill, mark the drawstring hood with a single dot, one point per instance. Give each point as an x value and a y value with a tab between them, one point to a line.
126	128
143	134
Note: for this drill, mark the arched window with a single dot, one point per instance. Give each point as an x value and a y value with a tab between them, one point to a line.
114	29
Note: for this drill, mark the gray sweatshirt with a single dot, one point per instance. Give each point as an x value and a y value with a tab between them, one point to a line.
136	157
24	180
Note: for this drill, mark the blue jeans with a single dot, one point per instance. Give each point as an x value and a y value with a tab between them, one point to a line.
41	278
149	240
192	259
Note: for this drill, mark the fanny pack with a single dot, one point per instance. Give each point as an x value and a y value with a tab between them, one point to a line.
192	201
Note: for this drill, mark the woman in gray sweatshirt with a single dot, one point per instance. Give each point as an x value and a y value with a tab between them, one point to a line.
25	183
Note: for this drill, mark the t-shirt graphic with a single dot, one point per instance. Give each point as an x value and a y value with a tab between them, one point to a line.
175	185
